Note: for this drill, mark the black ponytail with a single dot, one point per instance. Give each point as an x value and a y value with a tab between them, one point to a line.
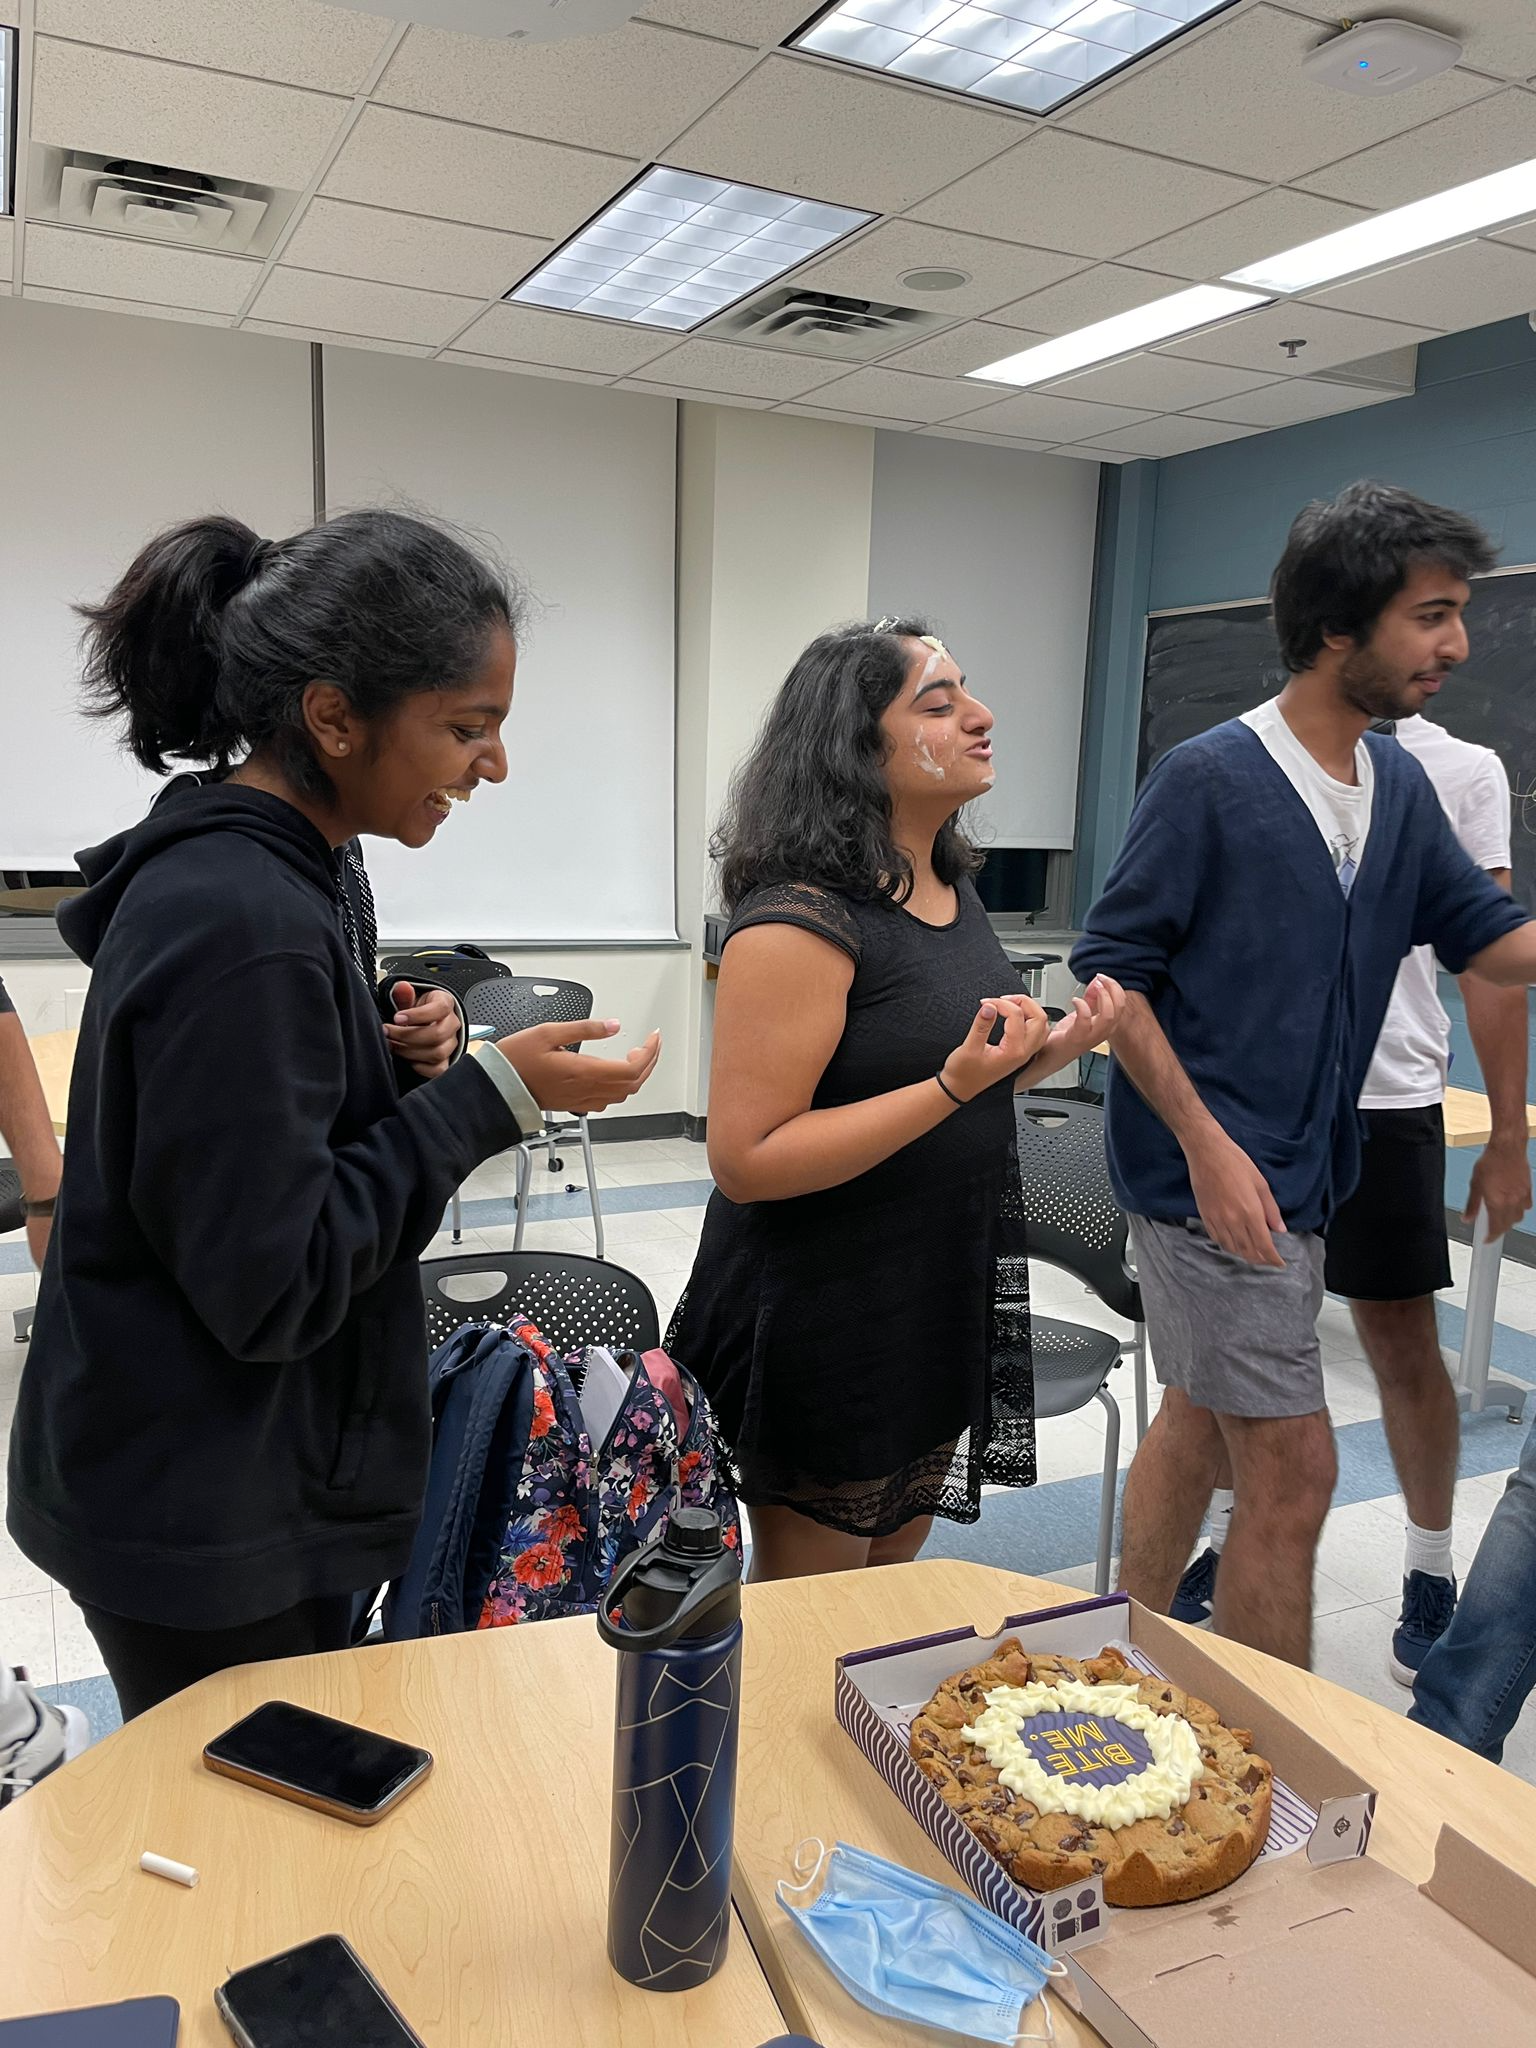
207	643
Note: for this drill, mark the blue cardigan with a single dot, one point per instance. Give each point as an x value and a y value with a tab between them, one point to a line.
1224	911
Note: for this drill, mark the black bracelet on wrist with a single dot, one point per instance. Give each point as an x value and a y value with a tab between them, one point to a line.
957	1100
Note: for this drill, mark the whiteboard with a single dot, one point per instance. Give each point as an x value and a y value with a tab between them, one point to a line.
995	545
575	485
115	427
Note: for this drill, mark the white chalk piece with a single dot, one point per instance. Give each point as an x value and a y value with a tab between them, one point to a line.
162	1866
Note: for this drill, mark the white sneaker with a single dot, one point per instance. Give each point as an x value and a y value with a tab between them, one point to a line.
56	1735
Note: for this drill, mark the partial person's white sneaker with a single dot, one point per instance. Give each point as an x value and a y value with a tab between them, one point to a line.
56	1735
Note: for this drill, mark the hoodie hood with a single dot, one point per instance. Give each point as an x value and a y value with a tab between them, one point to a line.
188	809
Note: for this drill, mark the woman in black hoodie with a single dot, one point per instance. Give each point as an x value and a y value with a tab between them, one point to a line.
222	1429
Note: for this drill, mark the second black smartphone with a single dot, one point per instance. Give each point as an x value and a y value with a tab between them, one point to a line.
332	1766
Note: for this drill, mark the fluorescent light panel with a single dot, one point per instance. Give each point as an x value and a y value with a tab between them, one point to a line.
676	249
1030	54
1443	217
7	116
1203	305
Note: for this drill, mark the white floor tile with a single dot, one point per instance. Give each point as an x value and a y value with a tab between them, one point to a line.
1351	1649
18	1575
641	1173
643	1226
75	1646
26	1635
1362	1550
1329	1597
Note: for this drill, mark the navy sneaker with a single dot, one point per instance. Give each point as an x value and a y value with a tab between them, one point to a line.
1197	1590
1428	1604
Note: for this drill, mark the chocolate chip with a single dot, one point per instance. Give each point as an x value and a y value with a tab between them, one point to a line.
1252	1778
1244	1808
1099	1865
1177	1826
1073	1845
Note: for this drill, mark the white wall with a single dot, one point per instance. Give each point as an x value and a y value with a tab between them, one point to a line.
575	487
996	547
113	428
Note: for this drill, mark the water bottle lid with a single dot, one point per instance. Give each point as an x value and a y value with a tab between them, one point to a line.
693	1532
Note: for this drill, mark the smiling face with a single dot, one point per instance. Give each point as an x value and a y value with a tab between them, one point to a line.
938	736
400	777
1416	640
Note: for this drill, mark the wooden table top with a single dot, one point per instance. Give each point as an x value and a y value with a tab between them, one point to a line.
481	1905
1467	1121
801	1775
53	1054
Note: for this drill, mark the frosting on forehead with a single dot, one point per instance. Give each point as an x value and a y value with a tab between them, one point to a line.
1109	1760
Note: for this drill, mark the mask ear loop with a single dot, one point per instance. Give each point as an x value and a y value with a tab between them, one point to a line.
1055	1969
803	1858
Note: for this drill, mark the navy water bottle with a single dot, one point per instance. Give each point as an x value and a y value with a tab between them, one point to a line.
674	1752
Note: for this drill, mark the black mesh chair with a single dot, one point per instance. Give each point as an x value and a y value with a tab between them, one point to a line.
513	1002
573	1299
1072	1221
14	1217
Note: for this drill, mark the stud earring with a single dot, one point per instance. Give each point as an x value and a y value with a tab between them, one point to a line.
341	746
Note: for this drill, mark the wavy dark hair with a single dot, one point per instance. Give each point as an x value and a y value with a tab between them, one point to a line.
811	803
204	648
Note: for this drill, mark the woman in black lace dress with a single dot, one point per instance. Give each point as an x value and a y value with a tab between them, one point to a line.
858	1311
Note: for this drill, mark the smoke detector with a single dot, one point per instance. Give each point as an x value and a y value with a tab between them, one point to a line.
1374	58
533	21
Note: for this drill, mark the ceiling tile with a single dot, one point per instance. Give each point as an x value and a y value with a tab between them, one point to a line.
122	105
9	12
1237	98
958	350
827	132
1243	234
1495	35
950	432
716	366
1469	286
440	168
1521	237
1096	294
75	260
332	340
873	267
353	305
1495	133
468	361
403	248
847	419
1087	453
295	42
755	22
1298	398
898	395
693	396
1176	435
1066	192
1252	341
1161	383
571	341
629	91
1044	418
91	303
5	251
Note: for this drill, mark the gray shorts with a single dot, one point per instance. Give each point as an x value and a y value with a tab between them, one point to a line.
1235	1338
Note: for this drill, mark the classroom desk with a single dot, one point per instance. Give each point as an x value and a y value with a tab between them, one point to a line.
801	1775
481	1904
1467	1123
53	1054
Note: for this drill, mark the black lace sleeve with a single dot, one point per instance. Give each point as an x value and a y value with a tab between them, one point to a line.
800	903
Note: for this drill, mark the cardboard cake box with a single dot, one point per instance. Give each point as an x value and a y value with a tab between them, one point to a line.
1311	1929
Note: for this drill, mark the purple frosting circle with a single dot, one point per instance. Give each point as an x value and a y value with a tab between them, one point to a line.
1085	1749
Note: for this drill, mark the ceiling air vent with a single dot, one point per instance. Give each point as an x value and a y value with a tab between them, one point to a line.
822	324
155	202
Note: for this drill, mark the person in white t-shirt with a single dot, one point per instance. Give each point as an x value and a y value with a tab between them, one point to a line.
1386	1246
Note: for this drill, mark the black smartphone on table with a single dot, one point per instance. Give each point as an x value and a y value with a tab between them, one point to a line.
133	2023
318	1995
350	1773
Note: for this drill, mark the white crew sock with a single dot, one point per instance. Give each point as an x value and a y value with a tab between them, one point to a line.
16	1716
1429	1550
1218	1517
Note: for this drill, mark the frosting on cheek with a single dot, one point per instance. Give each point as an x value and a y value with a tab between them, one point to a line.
1097	1752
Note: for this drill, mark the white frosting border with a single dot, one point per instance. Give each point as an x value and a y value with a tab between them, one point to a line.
1154	1793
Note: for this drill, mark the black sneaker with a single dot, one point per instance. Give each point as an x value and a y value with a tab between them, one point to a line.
1428	1604
1197	1590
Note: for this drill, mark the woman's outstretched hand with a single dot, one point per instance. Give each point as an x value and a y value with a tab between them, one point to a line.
558	1078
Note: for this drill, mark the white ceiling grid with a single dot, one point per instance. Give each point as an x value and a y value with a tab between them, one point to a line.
434	172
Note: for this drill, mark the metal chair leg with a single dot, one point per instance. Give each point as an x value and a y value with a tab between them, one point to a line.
592	1195
1106	1551
22	1320
457	1208
1140	1368
524	1179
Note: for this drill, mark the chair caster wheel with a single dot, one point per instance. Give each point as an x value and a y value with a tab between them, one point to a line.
557	1166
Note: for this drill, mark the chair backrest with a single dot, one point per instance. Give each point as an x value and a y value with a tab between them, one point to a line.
574	1300
1071	1217
455	968
12	1215
514	1002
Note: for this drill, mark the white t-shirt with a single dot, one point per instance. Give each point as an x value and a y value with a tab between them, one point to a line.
1341	810
1413	1051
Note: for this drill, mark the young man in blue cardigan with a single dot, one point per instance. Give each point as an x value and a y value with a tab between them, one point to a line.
1275	872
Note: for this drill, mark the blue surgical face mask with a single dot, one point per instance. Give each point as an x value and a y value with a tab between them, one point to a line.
909	1949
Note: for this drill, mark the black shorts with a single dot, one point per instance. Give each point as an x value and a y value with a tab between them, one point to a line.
1388	1243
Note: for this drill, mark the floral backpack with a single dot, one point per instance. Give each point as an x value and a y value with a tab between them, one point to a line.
526	1519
